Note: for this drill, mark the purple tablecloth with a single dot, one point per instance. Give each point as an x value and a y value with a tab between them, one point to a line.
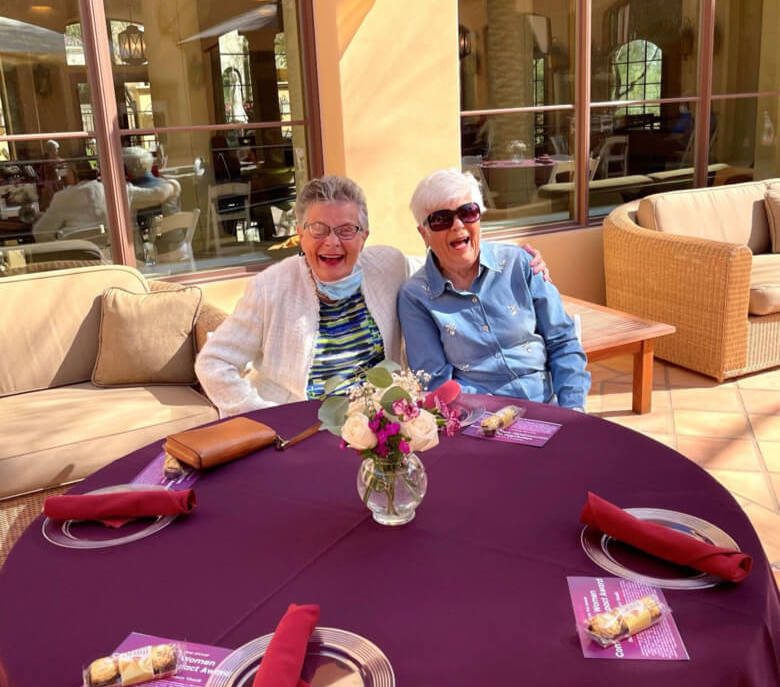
472	592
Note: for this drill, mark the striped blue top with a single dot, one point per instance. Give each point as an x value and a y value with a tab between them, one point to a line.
348	340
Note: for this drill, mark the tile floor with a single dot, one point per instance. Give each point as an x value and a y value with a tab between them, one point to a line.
732	430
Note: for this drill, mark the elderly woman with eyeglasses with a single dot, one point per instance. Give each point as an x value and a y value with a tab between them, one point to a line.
327	312
476	312
323	313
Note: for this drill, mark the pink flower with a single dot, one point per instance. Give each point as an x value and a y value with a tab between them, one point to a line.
403	446
405	409
452	426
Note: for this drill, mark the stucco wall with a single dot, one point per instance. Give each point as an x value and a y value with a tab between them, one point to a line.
389	100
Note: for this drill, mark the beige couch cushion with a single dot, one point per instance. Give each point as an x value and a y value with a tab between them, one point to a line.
772	203
63	434
733	214
765	285
52	333
146	338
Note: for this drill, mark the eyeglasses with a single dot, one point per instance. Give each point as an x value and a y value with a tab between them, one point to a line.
442	220
320	230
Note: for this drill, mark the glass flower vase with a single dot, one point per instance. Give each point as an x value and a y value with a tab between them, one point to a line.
392	490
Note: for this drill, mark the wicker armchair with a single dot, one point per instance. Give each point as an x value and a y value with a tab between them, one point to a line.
701	286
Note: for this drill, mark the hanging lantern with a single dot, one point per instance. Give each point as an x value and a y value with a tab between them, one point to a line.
132	47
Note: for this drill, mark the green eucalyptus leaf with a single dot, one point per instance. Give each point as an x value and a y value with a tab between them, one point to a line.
333	383
393	394
389	365
379	377
333	412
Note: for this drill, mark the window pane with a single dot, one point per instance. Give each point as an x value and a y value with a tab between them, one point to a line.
205	62
524	164
745	34
639	150
643	47
52	207
515	55
203	200
39	65
745	139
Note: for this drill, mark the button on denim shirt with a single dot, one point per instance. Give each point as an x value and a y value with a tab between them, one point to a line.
508	335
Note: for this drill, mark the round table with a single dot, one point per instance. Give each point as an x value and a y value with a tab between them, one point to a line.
471	592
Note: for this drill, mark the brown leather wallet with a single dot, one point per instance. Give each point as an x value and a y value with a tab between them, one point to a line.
205	447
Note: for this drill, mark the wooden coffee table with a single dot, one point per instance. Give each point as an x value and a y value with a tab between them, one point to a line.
607	333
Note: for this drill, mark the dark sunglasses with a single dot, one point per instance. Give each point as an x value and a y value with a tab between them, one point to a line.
442	220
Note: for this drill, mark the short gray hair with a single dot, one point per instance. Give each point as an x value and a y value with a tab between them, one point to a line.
137	160
442	188
331	189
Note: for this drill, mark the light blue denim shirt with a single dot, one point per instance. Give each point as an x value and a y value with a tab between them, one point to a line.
509	335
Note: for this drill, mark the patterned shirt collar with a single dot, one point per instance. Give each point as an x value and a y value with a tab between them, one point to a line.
436	280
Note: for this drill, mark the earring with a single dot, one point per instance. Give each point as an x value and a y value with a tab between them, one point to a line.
300	252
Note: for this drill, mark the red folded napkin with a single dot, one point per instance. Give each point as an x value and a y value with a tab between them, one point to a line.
664	542
446	393
283	660
116	508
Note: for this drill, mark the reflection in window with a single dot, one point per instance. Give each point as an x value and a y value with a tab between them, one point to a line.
280	59
138	99
236	84
74	48
5	151
635	74
538	81
128	43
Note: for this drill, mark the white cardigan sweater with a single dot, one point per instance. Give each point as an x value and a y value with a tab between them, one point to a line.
275	325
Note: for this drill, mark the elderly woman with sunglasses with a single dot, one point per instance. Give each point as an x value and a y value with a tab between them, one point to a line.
325	313
476	312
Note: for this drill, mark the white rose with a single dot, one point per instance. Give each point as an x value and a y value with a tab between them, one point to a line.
422	431
356	432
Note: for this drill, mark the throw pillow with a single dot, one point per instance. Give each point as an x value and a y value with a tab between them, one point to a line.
147	338
772	203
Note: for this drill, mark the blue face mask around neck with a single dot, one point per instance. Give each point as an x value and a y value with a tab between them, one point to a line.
341	288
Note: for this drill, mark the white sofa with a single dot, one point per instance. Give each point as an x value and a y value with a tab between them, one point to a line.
56	426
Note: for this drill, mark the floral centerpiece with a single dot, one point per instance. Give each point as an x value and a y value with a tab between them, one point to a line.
387	418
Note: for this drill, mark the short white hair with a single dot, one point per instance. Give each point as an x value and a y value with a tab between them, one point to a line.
442	188
138	160
331	189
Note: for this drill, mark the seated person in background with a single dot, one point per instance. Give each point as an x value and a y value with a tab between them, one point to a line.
477	313
53	169
310	317
83	205
138	165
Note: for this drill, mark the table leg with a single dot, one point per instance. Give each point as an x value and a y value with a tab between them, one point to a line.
643	378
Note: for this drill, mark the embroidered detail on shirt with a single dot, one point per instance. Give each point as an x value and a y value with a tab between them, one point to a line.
513	310
450	329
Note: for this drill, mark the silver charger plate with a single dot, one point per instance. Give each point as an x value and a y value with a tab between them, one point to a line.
333	657
72	534
600	548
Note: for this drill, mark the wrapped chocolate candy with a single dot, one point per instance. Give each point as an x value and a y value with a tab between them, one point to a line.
619	623
500	420
133	667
